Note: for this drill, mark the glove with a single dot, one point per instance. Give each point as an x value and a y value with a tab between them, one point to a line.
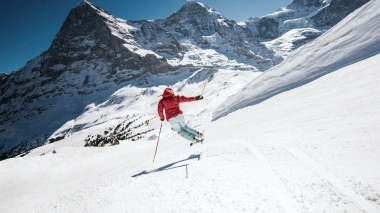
199	97
162	119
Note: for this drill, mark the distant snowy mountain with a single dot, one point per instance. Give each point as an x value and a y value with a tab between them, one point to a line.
208	29
300	22
95	54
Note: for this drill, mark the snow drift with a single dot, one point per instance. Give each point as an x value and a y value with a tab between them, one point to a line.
353	39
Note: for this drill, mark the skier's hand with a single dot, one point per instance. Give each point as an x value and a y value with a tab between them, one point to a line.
162	119
199	97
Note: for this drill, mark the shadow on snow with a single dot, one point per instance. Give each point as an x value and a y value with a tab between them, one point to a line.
169	166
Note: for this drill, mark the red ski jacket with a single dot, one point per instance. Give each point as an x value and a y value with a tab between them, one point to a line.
170	103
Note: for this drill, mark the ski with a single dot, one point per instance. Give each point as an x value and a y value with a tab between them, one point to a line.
200	140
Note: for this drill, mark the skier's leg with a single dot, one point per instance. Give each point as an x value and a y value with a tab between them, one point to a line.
192	131
177	123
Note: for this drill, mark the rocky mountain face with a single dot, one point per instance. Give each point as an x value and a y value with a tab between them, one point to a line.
301	4
3	76
202	24
91	34
302	14
152	36
91	56
94	54
336	11
302	20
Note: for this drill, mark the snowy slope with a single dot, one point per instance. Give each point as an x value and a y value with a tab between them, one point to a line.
312	149
353	39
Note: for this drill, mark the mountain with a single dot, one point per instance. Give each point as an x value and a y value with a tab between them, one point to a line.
313	148
346	43
94	54
210	30
300	22
89	58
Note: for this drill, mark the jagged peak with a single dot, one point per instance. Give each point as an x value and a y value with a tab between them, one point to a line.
194	3
3	75
194	6
86	4
83	4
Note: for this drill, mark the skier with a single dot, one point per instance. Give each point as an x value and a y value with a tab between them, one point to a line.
170	103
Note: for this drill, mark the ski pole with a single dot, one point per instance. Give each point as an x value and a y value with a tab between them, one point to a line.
204	85
158	139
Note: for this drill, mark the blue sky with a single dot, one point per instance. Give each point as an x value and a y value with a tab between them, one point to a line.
28	27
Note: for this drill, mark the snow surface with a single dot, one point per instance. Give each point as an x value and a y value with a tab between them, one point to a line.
315	148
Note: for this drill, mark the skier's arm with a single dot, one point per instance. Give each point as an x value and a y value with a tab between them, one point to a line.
160	110
186	99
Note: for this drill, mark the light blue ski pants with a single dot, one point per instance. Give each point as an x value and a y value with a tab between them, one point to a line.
178	124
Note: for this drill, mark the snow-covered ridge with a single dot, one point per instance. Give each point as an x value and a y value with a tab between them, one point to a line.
346	43
209	9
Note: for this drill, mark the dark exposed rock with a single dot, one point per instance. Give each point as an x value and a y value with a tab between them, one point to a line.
156	38
305	4
268	28
86	35
3	76
309	36
336	11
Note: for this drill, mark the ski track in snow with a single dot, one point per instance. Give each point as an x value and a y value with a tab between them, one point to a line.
277	185
332	179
